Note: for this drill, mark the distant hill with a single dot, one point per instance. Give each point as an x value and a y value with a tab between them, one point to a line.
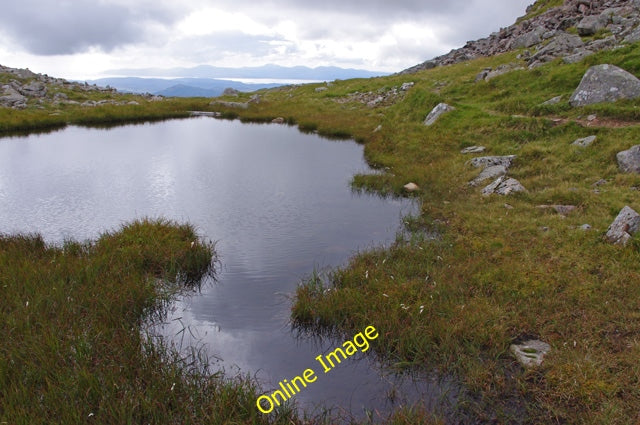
322	73
177	87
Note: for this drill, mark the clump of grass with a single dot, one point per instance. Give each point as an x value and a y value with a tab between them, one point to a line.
72	327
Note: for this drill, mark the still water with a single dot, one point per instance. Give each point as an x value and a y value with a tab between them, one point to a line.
279	205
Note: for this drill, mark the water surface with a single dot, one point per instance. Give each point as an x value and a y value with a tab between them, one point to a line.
277	202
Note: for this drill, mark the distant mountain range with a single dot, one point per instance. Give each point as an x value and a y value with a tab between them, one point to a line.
210	81
177	87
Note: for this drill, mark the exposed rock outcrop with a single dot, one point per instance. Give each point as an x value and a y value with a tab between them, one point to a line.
605	83
547	36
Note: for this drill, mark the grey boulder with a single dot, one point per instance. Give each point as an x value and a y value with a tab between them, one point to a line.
605	83
623	227
629	160
437	112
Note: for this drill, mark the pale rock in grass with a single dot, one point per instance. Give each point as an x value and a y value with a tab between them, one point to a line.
553	101
585	141
437	112
530	353
590	25
503	186
490	172
605	83
488	161
623	227
411	187
279	120
629	160
473	149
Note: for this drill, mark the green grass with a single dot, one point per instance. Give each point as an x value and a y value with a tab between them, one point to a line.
498	274
73	324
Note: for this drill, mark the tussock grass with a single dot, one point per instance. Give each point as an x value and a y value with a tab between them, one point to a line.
74	346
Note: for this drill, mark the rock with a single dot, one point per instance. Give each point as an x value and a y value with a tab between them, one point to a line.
553	101
133	102
278	120
411	187
578	56
490	172
488	161
633	37
623	227
34	89
321	89
528	39
12	98
482	74
629	160
255	99
407	86
590	25
473	149
501	70
436	112
564	209
229	91
585	227
605	83
585	141
503	186
530	353
561	45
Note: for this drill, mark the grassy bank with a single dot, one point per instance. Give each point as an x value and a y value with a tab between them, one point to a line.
505	270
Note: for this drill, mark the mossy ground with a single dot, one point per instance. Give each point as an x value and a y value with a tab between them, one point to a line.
498	274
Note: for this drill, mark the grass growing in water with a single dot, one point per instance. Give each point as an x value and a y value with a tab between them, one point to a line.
72	321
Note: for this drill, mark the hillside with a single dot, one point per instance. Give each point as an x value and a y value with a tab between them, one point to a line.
518	282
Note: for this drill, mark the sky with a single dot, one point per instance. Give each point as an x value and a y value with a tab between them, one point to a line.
79	39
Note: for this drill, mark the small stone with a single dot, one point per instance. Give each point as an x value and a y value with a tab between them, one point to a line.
509	207
321	89
473	149
411	187
585	141
585	227
530	353
592	117
378	128
553	101
490	172
278	120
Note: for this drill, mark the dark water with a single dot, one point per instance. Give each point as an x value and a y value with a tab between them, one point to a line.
277	201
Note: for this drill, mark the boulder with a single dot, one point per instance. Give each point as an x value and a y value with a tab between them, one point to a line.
629	160
436	112
605	83
488	161
633	37
590	25
561	45
229	91
503	186
585	141
240	105
530	353
12	98
528	39
34	89
623	227
490	172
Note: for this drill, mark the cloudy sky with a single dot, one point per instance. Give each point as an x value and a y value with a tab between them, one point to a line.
83	38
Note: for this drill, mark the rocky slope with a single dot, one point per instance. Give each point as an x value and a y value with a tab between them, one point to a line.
572	31
20	88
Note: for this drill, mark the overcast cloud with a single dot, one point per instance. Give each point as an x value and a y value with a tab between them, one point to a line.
82	38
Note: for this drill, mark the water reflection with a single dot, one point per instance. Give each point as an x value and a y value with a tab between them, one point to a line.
278	202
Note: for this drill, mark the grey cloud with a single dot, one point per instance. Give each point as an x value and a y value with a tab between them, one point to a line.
50	27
